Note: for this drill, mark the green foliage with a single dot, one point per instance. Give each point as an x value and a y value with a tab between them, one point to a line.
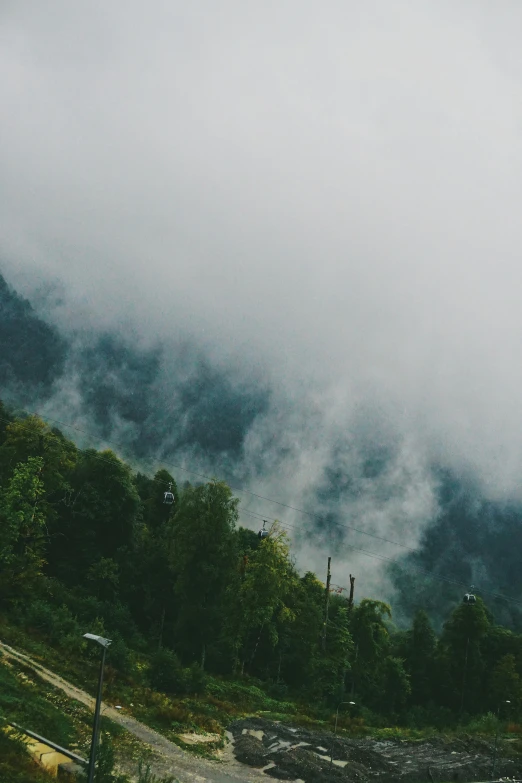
184	595
505	682
203	559
420	652
16	766
167	674
462	667
484	724
20	703
146	776
261	606
22	528
105	762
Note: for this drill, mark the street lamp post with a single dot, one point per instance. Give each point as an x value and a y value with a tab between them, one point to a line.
104	643
496	737
335	727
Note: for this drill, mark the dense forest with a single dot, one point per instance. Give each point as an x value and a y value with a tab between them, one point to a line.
88	544
124	391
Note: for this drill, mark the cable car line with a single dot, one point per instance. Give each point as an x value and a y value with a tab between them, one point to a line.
425	572
365	552
237	489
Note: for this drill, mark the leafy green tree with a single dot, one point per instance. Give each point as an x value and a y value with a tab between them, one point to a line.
22	528
151	491
332	665
105	763
420	658
397	687
100	518
262	606
304	653
372	641
104	577
461	662
166	673
505	683
32	437
204	562
5	419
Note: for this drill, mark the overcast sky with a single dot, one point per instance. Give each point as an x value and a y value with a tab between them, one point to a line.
330	190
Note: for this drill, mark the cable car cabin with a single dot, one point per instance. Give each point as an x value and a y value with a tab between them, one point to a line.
263	533
469	598
168	497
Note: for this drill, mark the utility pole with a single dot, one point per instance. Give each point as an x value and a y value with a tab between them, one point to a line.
352	588
326	602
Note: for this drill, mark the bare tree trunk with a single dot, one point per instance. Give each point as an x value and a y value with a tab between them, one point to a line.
327	602
257	645
162	625
203	655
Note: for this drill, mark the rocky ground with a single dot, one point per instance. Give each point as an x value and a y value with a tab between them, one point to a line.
260	749
291	753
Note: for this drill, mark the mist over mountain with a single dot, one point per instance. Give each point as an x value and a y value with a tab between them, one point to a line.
280	243
163	404
33	353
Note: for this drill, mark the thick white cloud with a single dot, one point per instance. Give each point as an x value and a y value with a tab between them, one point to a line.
331	191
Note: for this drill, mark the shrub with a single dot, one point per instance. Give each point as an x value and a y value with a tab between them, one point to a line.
278	690
195	679
431	716
146	776
166	673
485	724
119	655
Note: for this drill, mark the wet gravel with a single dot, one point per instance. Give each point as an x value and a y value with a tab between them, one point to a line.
287	752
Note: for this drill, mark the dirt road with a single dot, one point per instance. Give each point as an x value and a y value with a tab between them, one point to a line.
166	757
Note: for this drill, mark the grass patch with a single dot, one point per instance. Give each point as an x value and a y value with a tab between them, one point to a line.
16	766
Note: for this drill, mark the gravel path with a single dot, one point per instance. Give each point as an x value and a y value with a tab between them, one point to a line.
166	757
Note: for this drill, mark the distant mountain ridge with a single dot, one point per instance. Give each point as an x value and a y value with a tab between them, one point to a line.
189	411
32	353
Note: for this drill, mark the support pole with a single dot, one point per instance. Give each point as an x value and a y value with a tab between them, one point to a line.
326	602
352	588
96	724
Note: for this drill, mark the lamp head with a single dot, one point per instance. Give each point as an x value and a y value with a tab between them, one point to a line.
99	639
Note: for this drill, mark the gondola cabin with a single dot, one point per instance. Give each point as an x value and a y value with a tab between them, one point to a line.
168	497
263	533
469	598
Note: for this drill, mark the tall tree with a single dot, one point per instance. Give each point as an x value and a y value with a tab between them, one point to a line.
462	662
420	658
204	562
372	640
22	529
262	609
99	519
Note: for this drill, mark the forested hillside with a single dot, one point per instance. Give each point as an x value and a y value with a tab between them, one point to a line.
172	403
184	593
